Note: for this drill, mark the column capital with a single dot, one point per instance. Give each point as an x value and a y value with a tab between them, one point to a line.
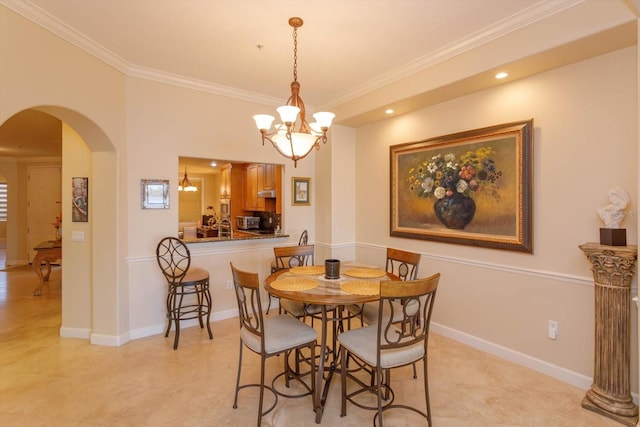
611	265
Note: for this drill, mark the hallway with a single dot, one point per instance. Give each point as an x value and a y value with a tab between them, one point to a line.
46	380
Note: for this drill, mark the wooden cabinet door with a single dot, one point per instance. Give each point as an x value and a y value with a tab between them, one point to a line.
260	177
254	178
270	177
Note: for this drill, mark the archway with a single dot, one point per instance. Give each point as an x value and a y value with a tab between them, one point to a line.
92	301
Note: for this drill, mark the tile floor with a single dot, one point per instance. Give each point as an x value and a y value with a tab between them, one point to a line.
46	380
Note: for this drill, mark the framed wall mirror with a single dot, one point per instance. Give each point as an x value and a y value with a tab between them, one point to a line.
154	193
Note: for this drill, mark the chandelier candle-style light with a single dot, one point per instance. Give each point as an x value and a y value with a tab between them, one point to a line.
185	184
291	143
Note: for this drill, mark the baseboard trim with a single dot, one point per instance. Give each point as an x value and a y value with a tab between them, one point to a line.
562	374
75	333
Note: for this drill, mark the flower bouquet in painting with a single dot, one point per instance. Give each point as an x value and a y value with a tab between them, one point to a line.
451	181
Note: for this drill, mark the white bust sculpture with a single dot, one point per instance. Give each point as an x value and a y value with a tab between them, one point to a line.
613	214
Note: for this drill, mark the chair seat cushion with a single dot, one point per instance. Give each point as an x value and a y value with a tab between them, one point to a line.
370	312
354	309
281	333
362	342
195	275
299	309
294	308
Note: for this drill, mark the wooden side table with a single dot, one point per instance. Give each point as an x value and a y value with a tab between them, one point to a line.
613	268
46	252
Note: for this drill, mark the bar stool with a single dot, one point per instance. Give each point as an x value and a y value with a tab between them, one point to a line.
188	293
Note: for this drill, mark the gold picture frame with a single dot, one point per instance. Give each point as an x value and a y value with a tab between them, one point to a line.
470	188
300	191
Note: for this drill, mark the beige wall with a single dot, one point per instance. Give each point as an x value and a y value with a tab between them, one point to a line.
77	305
585	142
164	129
42	71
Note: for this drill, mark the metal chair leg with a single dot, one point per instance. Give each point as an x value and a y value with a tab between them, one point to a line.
235	399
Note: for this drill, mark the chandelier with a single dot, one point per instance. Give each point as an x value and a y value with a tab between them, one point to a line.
185	184
291	143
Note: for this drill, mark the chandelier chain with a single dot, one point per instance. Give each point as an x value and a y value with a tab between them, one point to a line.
295	54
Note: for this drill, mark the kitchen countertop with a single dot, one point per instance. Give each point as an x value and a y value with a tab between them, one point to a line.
237	235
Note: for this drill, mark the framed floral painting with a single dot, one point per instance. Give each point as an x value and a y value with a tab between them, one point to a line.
471	188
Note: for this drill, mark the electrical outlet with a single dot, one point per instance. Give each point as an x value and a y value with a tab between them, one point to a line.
229	284
552	332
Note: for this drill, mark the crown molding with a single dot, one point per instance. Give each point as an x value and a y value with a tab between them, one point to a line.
59	28
515	22
201	85
508	25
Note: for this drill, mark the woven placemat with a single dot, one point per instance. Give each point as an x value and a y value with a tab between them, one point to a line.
362	287
294	284
309	270
364	273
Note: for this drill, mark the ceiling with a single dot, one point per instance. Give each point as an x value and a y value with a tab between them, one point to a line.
244	48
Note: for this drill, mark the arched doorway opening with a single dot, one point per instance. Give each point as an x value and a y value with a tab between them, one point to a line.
91	297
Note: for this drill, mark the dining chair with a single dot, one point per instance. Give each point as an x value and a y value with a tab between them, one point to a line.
302	241
304	238
387	345
403	264
294	256
269	337
188	295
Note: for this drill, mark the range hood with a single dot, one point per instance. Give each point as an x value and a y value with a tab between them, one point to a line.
267	194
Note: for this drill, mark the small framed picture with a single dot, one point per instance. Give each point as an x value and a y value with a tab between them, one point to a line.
301	191
80	199
154	193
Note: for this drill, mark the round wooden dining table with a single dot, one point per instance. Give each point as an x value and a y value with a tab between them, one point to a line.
329	294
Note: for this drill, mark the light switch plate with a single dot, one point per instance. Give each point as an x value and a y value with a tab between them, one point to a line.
77	236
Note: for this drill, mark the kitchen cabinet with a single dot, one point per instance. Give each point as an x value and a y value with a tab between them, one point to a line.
231	182
271	177
253	182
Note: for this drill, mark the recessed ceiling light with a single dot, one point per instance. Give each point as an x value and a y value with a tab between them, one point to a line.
214	164
389	111
502	75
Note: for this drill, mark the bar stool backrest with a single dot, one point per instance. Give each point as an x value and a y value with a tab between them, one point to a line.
174	259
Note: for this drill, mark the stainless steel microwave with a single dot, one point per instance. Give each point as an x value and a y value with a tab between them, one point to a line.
247	222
